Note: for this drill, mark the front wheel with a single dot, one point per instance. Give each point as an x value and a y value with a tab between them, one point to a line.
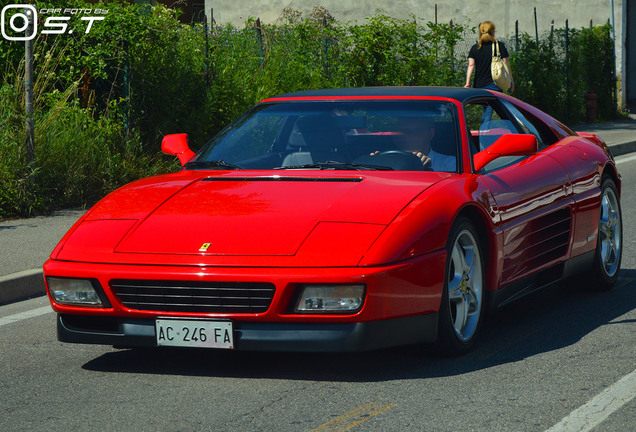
462	305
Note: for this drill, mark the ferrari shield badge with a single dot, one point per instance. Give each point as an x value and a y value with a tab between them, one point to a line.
204	247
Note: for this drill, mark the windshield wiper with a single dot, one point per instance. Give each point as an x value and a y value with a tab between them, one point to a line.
219	164
331	165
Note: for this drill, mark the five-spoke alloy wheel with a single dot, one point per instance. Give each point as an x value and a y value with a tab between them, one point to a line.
462	304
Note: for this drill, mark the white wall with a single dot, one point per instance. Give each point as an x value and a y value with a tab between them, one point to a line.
503	12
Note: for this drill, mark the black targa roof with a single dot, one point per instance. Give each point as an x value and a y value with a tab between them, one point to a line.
459	93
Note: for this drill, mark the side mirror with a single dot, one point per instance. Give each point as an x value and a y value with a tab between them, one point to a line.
177	145
506	145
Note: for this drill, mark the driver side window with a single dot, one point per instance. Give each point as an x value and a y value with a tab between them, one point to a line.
526	124
487	122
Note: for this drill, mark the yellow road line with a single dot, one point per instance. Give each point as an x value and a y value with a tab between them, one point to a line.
353	418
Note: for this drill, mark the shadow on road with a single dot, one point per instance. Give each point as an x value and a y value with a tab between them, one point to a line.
547	321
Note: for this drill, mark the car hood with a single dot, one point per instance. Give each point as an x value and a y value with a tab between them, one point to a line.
222	215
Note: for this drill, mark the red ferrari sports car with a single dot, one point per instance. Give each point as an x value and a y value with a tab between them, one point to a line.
339	220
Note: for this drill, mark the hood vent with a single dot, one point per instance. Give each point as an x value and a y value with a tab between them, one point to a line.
287	179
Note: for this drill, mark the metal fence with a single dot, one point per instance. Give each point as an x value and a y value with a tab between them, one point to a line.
578	60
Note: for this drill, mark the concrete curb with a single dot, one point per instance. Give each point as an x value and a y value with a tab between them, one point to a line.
623	148
21	286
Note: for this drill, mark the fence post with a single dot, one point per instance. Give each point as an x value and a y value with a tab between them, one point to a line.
567	68
259	37
536	26
325	46
516	35
613	36
552	29
127	76
211	67
28	97
452	57
206	77
551	39
414	50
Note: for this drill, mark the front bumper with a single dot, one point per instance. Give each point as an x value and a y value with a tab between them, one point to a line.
260	336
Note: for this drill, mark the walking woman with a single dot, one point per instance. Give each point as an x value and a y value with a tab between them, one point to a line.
480	58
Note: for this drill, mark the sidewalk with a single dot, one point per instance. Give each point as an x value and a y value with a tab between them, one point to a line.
24	246
620	135
26	243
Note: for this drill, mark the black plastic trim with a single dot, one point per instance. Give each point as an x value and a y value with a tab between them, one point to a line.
261	336
540	280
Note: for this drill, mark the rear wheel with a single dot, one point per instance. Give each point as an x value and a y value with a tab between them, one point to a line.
609	242
462	304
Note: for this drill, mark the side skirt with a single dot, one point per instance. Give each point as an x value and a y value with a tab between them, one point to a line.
542	279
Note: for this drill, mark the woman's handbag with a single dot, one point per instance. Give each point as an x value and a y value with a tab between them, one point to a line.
500	72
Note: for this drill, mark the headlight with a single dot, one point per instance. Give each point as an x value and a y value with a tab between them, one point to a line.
330	298
73	291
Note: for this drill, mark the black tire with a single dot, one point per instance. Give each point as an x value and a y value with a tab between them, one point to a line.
463	297
609	240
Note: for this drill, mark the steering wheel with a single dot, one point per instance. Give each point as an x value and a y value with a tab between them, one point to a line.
404	161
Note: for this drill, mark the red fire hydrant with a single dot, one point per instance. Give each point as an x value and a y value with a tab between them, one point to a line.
591	99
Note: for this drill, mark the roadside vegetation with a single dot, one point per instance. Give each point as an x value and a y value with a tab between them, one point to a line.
104	100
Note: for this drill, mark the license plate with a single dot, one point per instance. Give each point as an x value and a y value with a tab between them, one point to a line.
194	333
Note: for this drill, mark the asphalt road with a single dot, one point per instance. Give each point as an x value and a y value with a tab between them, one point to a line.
556	360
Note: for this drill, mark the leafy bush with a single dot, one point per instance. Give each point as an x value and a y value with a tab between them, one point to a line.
556	72
384	51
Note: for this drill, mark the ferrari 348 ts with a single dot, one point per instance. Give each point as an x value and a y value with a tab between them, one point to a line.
342	220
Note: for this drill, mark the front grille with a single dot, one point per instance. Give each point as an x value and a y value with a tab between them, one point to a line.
196	297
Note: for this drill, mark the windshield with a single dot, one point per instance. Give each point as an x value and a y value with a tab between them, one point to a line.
356	135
